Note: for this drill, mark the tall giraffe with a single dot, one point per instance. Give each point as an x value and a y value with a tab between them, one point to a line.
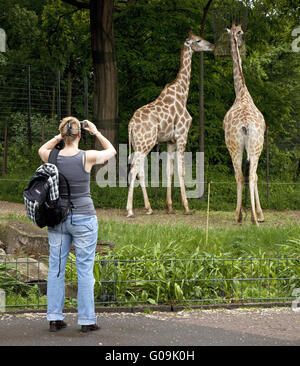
244	128
165	120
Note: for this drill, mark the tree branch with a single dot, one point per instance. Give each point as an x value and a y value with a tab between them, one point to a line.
54	30
78	4
205	11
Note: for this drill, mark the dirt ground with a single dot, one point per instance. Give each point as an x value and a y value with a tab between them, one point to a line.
217	219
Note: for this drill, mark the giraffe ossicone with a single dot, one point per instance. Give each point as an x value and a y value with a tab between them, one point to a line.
166	119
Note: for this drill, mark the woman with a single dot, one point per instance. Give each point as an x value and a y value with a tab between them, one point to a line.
81	226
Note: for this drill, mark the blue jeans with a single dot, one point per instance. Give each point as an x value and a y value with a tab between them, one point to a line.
83	232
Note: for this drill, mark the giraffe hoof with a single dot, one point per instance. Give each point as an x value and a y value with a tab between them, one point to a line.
171	212
130	216
149	212
188	213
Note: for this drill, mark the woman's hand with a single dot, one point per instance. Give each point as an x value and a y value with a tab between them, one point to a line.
90	127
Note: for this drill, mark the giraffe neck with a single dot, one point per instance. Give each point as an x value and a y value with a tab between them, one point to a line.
184	73
239	80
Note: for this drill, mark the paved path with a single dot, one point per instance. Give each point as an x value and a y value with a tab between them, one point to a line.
238	327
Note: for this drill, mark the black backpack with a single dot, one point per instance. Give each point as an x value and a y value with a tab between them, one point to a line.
40	208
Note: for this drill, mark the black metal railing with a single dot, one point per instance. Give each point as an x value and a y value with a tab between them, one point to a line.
157	281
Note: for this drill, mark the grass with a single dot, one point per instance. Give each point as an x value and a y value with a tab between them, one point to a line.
159	264
248	241
161	260
168	273
155	263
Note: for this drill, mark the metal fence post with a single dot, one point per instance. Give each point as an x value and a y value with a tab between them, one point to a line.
58	96
43	131
86	97
268	163
4	164
86	103
29	132
201	120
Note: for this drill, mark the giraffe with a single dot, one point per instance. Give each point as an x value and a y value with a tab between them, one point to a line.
244	128
166	119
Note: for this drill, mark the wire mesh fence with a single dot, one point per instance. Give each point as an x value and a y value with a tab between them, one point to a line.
158	281
222	19
33	101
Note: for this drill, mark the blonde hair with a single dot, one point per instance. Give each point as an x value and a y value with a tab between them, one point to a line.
69	129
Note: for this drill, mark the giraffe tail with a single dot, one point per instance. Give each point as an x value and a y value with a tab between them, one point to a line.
247	169
129	139
247	165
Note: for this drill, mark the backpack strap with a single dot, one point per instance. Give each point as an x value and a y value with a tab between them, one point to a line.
53	156
53	160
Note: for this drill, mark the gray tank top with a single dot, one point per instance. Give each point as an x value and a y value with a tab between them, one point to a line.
72	167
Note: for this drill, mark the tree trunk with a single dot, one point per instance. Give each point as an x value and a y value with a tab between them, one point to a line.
105	103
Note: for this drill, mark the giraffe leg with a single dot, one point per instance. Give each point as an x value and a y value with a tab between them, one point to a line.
181	172
141	175
259	212
252	185
239	178
135	167
171	147
238	214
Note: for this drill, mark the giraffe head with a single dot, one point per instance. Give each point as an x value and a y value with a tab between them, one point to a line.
197	43
236	32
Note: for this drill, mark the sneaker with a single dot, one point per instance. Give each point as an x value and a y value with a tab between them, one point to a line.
56	325
88	328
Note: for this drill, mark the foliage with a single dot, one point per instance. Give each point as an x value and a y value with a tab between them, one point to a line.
18	128
163	264
149	35
66	36
161	273
237	264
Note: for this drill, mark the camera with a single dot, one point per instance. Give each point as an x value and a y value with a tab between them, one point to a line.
84	124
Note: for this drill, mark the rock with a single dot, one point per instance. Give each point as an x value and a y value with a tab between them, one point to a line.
2	245
19	238
104	247
22	237
28	270
2	254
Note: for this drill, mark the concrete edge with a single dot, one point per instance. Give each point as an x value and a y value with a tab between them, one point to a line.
161	308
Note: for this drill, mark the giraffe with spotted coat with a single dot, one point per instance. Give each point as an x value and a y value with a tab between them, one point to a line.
164	120
244	128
